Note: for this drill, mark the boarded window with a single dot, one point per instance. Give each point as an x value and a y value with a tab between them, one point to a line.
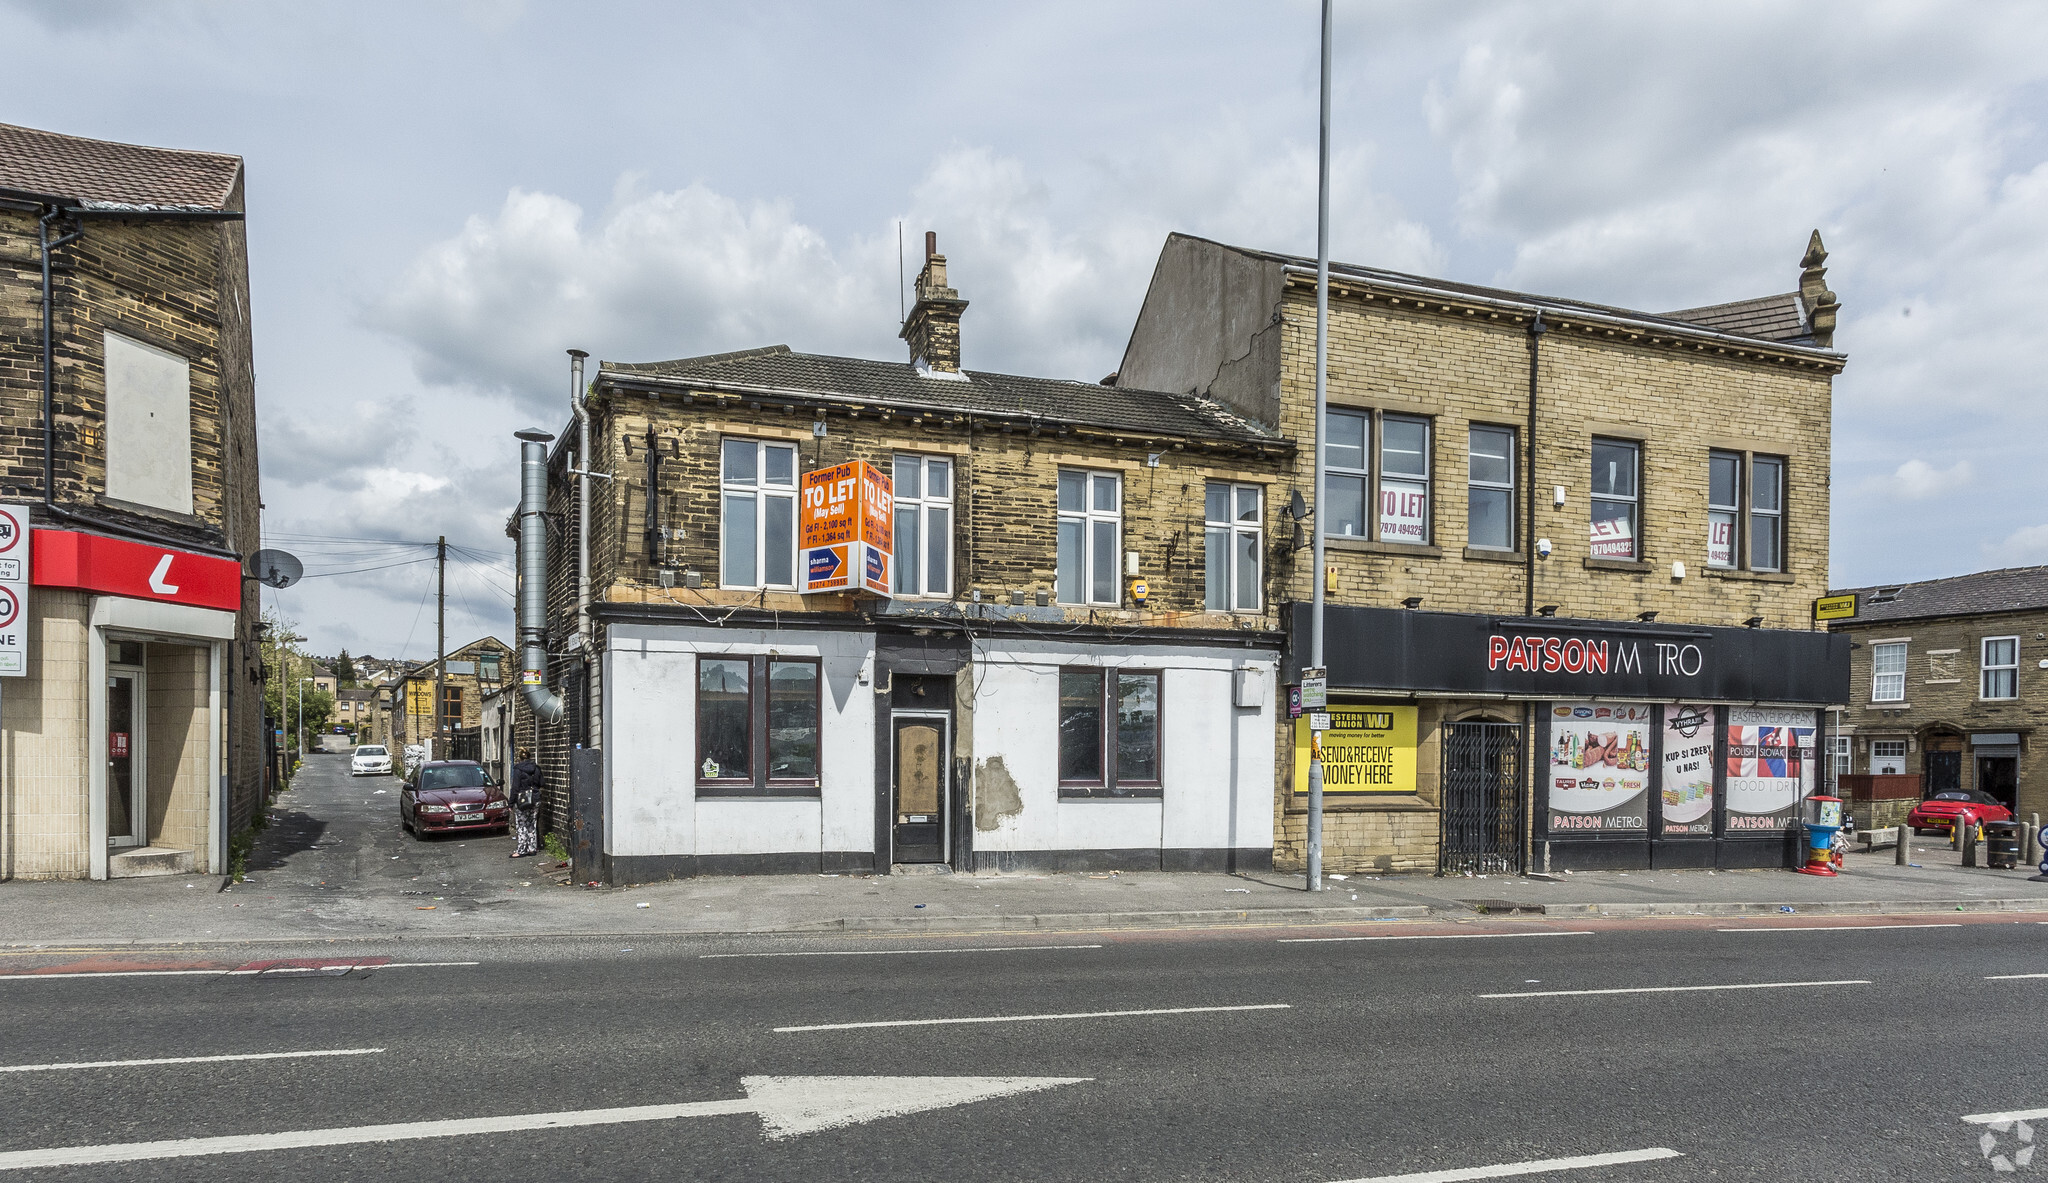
149	425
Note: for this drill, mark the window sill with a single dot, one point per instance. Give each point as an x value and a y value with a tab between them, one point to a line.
1887	706
1635	566
1368	546
756	792
1365	803
1486	554
1098	793
1753	576
1942	682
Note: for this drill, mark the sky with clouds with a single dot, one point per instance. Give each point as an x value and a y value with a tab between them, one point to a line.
443	197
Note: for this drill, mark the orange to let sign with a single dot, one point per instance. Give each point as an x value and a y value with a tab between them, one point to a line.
845	520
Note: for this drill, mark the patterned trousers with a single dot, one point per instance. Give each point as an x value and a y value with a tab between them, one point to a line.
524	831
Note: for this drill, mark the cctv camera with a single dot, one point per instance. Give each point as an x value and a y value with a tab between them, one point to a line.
1543	548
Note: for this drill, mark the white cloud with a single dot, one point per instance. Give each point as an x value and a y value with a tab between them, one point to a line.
2024	546
1917	480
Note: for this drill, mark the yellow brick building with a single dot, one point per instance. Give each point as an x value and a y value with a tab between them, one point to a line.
1510	475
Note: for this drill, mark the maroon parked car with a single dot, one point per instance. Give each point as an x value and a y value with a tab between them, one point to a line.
1940	811
446	796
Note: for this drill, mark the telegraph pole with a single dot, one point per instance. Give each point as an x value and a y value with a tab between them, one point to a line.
1315	646
440	640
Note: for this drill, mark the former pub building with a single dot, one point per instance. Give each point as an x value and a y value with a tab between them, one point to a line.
834	614
1572	563
131	728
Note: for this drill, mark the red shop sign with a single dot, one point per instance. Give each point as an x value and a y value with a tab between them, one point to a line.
67	558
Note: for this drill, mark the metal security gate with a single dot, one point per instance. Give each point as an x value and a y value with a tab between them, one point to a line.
1482	800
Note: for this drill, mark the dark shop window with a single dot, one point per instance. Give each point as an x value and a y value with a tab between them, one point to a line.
757	726
1091	765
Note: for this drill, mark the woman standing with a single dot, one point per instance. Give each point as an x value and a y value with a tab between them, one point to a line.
525	804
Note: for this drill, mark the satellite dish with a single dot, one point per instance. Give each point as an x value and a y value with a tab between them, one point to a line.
276	568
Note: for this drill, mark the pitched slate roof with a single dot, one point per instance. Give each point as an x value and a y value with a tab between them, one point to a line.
776	368
1557	304
101	174
1773	318
2012	589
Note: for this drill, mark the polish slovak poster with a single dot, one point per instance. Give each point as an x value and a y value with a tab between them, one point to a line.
1770	766
1686	780
1599	768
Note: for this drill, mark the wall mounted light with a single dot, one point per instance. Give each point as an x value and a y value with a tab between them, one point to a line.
1754	622
1412	602
1646	617
1547	610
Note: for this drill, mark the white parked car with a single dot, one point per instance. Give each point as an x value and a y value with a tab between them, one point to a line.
370	760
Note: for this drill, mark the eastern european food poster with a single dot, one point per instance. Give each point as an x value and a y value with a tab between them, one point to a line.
1770	766
1599	768
1686	780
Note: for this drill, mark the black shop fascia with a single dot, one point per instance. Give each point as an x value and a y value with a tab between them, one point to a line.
1651	745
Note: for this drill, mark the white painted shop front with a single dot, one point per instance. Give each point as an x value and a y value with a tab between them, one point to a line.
1002	753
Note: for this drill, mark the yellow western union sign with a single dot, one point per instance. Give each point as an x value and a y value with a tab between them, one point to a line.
1366	750
1835	607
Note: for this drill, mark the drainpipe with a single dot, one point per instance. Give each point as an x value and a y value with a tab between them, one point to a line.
580	404
1536	331
533	576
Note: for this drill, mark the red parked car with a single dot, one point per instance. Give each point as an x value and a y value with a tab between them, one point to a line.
1940	811
444	796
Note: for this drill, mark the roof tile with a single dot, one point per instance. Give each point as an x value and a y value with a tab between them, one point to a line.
106	174
2010	589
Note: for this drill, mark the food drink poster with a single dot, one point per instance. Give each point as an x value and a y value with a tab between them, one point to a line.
1686	775
1599	767
1770	766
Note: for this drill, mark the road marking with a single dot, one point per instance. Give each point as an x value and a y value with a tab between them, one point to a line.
2011	977
1679	989
346	1051
1091	1014
2015	1115
890	952
31	975
787	1105
1442	936
1834	927
1539	1166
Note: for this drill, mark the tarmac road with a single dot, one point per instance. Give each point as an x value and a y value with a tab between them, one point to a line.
1364	1058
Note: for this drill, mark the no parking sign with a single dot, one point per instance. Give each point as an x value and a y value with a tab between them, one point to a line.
14	548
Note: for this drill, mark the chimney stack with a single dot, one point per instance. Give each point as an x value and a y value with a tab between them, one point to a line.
1821	306
933	327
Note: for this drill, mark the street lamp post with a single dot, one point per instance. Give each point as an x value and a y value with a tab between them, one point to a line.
1315	645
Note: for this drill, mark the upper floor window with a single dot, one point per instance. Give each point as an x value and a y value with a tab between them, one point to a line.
1090	536
757	515
1230	548
1766	513
2001	667
1616	521
1347	473
1888	672
1490	497
1724	506
1404	480
1745	528
923	531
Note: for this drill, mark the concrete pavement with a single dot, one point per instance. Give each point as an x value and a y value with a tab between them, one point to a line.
335	864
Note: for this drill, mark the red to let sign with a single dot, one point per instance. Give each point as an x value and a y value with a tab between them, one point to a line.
845	515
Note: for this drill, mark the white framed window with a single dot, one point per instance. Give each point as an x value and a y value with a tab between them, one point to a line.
1404	480
1490	500
1615	523
1766	513
1888	757
1347	473
1230	547
1090	536
2001	668
1839	748
923	530
1888	672
756	514
1724	506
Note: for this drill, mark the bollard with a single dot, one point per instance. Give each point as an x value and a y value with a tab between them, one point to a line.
1969	833
1955	834
1904	854
2033	850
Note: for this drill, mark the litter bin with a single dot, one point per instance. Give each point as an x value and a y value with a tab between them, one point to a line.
2002	842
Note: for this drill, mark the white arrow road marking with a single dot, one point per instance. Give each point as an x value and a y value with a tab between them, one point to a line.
787	1105
1086	1014
162	572
1510	1169
1440	936
1677	989
345	1051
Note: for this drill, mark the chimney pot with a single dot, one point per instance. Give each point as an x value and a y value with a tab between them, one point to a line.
931	243
932	330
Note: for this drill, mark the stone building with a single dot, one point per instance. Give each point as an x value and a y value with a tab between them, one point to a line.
131	729
1068	661
1948	680
1572	555
469	675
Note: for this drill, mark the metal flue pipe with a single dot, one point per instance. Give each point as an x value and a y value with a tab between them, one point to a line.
533	576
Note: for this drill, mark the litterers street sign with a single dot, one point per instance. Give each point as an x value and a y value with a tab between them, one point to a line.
1315	689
